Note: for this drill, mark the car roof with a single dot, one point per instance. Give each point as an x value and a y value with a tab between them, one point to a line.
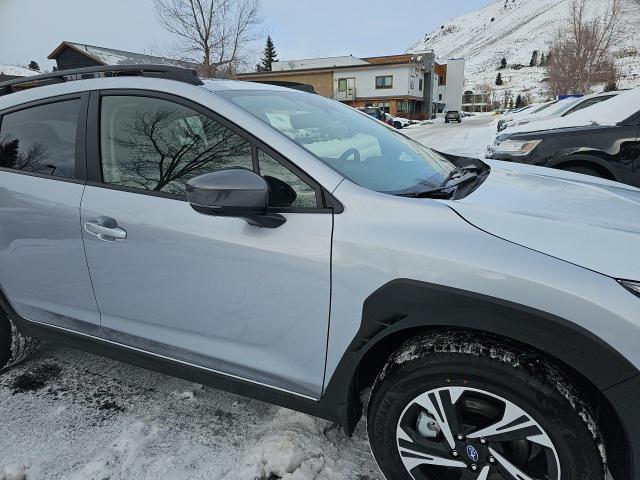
215	85
138	83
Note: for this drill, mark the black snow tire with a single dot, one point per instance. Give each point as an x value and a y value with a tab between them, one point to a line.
14	347
454	358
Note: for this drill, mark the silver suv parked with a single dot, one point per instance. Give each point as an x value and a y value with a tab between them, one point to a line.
283	246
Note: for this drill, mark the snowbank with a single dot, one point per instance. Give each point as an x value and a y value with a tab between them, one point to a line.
91	418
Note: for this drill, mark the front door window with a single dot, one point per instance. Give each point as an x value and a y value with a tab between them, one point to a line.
157	145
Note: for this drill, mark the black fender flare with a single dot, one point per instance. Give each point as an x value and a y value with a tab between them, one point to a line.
596	159
403	308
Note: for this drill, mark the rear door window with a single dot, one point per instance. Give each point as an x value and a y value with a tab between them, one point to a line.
41	139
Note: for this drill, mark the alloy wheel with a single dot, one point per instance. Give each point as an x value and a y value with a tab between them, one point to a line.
460	433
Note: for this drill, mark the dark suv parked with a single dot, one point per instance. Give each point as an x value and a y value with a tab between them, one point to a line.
610	151
452	116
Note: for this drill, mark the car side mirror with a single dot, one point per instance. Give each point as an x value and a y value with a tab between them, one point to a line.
234	192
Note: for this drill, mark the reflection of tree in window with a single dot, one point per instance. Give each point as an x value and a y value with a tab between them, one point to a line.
36	158
164	145
41	139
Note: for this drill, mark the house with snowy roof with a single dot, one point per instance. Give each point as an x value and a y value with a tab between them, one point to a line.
70	55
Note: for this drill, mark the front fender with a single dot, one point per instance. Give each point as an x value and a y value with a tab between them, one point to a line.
404	308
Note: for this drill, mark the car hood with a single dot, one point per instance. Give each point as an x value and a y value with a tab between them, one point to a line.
584	220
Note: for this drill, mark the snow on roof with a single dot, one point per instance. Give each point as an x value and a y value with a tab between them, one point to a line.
611	112
13	71
328	62
110	56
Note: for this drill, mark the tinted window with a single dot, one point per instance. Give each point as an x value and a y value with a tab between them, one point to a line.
154	144
286	188
358	147
41	139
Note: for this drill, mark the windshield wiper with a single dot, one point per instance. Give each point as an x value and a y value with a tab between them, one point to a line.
456	177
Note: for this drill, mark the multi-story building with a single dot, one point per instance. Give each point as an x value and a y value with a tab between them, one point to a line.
410	85
476	101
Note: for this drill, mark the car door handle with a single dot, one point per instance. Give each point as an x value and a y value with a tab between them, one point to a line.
107	233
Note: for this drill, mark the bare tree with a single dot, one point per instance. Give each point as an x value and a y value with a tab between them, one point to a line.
582	54
35	157
161	149
214	34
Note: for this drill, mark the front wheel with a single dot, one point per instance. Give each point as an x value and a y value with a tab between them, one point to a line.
459	408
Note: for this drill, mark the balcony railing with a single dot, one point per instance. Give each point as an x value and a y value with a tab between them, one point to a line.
345	95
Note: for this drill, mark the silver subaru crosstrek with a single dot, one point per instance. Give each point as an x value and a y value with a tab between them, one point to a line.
286	247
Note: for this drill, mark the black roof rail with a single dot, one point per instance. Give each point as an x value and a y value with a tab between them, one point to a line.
180	74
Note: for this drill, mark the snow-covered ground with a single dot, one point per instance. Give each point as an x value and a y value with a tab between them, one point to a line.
71	415
467	139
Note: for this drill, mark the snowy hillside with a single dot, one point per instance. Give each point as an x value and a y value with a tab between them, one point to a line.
513	29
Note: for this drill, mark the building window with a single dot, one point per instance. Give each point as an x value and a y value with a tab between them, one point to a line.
384	82
412	82
440	97
386	106
403	105
342	85
420	84
442	80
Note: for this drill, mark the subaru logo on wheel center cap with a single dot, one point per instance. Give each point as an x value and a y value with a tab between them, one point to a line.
472	453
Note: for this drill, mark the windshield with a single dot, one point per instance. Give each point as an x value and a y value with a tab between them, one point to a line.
355	145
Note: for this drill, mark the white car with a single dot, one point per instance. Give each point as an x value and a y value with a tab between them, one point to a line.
397	122
483	317
561	108
521	112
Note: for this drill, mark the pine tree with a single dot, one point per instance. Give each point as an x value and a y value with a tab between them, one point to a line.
543	60
519	102
33	65
503	63
268	57
534	59
499	80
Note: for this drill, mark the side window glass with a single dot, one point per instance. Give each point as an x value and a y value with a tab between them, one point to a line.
157	145
41	139
287	189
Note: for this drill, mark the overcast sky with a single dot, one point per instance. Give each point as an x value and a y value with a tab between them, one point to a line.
31	29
